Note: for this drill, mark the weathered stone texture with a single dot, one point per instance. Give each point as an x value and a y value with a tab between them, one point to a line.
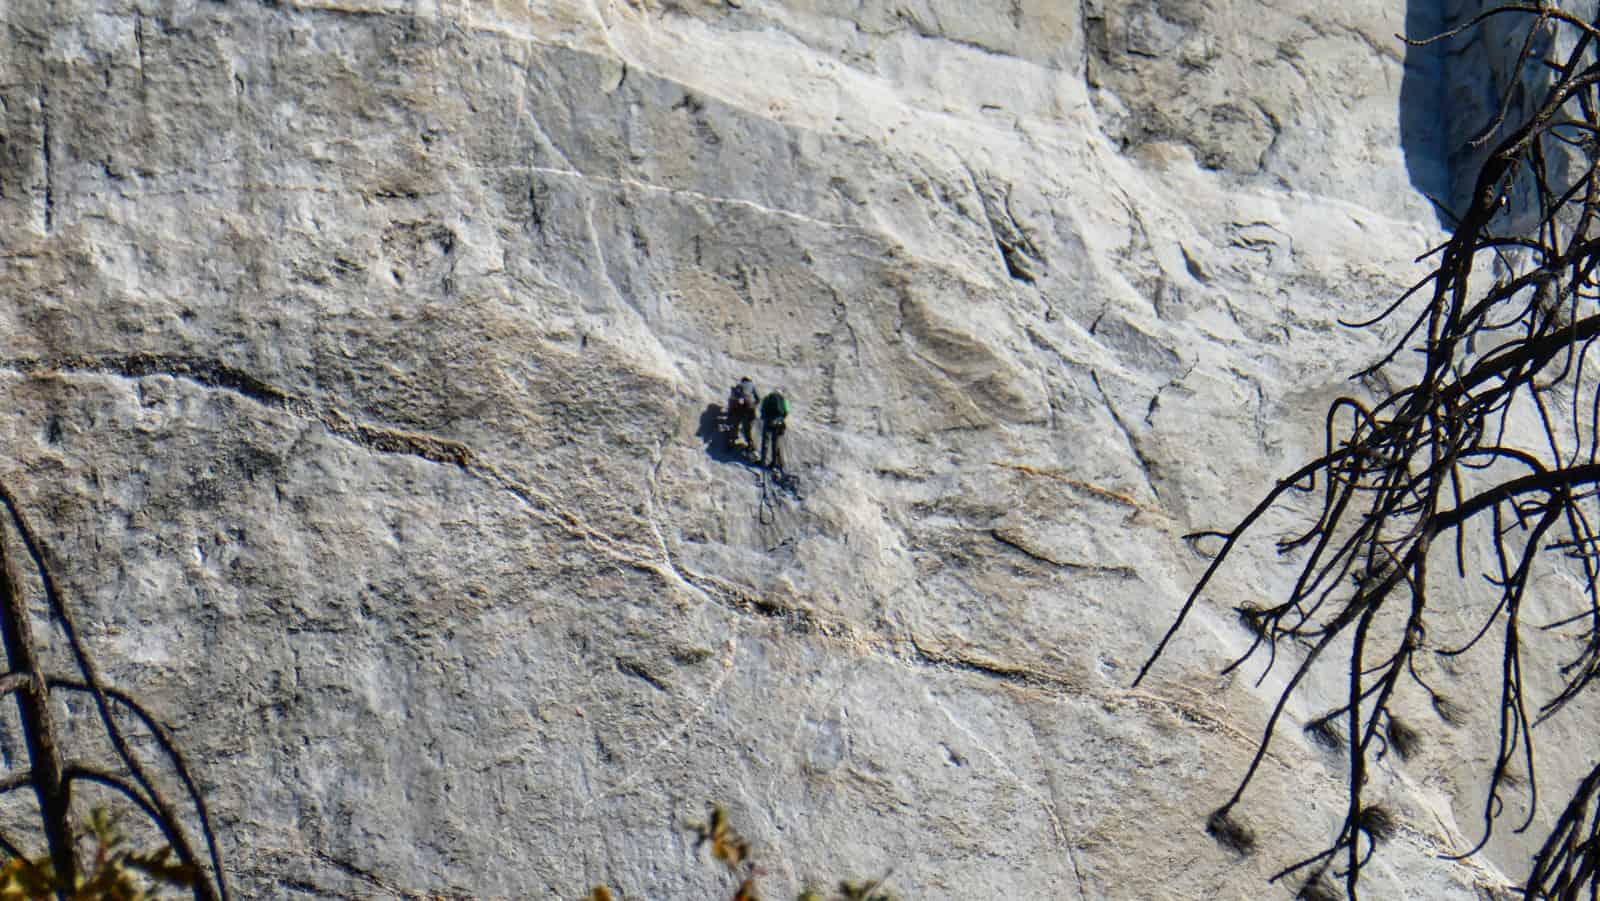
357	357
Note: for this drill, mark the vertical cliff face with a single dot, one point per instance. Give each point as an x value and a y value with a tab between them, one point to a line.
1465	92
360	354
1281	98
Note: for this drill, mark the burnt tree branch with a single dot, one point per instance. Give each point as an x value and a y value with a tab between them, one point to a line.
1497	438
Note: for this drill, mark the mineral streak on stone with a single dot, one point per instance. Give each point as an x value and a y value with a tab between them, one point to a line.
359	359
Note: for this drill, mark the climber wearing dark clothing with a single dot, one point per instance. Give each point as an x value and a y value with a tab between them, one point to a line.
774	410
742	400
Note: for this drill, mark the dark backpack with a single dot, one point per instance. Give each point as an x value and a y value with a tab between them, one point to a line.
742	399
774	409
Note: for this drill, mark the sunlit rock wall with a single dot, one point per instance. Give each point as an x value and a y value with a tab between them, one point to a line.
358	360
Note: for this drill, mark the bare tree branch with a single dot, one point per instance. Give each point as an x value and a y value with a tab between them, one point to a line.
1450	454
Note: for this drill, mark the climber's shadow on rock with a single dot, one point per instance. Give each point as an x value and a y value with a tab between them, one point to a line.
717	434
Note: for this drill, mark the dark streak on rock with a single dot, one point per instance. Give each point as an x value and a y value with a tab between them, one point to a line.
1275	127
1126	572
49	169
208	373
335	12
305	887
632	668
1026	551
936	32
690	103
1145	465
804	622
1196	268
373	879
1010	675
1020	244
138	43
218	376
350	869
1015	266
536	206
1017	251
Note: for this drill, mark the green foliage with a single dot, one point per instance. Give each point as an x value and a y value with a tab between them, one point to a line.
726	844
732	850
117	872
851	891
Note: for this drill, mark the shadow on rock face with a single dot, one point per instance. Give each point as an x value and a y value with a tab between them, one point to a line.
718	436
1423	132
1463	95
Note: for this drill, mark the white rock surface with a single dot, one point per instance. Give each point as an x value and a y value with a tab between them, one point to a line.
357	357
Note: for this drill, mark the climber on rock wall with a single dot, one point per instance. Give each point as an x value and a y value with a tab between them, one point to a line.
742	400
774	410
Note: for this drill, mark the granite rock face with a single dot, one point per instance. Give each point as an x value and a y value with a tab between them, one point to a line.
360	360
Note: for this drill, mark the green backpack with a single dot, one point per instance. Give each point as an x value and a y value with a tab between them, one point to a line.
775	408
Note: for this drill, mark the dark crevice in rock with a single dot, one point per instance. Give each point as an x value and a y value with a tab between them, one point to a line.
1096	44
1015	266
426	447
49	167
1195	266
138	43
738	600
304	887
799	621
1017	251
340	12
1014	544
207	373
1146	466
1273	125
538	199
218	376
936	32
373	879
998	672
635	670
1026	551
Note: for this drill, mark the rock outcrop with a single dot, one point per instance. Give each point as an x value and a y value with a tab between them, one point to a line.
360	359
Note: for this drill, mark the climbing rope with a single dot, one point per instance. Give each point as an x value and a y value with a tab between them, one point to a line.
767	512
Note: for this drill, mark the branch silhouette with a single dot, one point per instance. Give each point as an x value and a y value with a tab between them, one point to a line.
49	773
1494	445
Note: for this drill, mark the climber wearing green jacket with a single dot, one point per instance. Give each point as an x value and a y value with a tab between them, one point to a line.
774	410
